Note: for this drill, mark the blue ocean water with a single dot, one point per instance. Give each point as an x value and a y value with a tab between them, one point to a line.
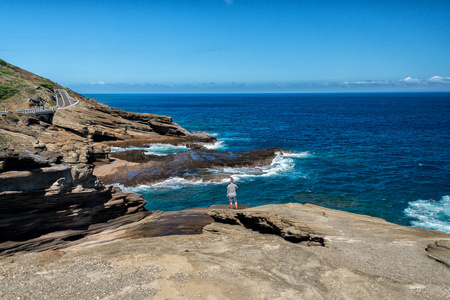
380	154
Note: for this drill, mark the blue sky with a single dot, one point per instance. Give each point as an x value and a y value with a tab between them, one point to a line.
231	45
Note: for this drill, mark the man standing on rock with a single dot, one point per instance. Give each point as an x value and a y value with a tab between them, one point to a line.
231	193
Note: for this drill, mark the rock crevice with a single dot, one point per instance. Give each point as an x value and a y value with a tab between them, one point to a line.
267	223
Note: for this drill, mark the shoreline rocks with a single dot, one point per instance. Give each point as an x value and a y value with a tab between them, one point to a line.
134	167
362	257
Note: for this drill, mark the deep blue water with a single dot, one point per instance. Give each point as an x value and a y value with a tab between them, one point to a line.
384	155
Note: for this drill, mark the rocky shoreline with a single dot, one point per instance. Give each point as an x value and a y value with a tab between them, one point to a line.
289	251
66	232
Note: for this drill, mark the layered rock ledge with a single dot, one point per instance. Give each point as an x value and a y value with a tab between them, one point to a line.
360	258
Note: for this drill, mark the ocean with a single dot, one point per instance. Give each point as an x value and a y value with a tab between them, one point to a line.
385	155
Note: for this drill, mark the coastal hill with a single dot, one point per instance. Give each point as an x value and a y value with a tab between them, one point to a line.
67	233
46	168
49	192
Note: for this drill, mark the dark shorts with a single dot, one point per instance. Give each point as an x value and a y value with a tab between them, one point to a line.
233	199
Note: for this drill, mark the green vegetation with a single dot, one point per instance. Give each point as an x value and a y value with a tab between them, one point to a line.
12	118
59	114
46	85
43	78
83	122
7	72
7	92
5	140
30	91
71	94
5	64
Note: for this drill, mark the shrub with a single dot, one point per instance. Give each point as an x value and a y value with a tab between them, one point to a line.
5	64
7	92
31	91
13	118
7	72
5	140
46	85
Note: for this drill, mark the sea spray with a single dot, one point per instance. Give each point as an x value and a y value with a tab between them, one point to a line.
430	214
155	149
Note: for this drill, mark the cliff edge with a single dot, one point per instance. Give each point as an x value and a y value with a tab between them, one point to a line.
48	192
289	251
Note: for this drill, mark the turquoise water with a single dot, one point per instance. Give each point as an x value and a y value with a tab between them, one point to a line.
384	155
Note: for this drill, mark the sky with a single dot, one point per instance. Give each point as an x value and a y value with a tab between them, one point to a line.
221	46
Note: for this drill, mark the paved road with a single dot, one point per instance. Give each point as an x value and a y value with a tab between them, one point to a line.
63	100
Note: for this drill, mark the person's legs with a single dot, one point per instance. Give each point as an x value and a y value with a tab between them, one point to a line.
233	199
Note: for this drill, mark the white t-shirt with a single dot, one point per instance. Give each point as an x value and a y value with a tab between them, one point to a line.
232	190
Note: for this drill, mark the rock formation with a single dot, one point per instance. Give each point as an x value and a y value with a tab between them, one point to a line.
136	168
87	240
244	254
48	192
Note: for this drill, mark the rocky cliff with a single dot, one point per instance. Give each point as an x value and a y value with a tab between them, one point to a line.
87	240
46	168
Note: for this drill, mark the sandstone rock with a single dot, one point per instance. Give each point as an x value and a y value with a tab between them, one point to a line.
193	164
363	258
290	230
36	221
440	251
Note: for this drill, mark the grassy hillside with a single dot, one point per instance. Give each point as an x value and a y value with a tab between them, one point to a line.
20	89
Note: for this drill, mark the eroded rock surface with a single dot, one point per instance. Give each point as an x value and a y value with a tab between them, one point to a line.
48	193
363	258
193	164
440	251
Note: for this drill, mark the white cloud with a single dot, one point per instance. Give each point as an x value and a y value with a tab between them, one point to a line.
410	80
438	79
405	82
98	83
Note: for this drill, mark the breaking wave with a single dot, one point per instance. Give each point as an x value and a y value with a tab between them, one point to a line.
281	164
174	183
430	214
215	146
155	149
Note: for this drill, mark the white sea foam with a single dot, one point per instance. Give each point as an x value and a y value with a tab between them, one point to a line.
299	155
154	149
215	146
430	214
173	183
281	164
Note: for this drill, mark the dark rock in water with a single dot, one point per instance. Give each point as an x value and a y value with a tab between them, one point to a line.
137	156
193	164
